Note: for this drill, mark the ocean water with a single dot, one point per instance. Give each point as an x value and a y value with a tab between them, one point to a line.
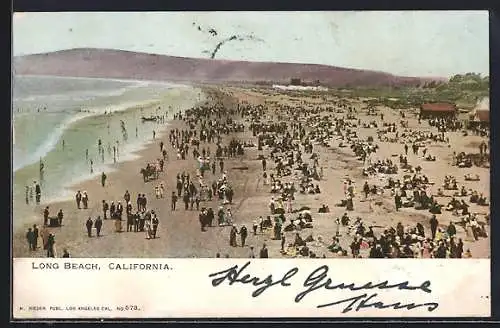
57	120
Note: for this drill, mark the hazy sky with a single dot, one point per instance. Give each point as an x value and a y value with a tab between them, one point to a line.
404	43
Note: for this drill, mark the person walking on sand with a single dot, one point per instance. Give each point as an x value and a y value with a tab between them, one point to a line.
35	237
98	225
89	225
46	216
38	193
243	235
85	200
51	245
252	254
434	224
174	201
147	229
126	197
264	254
103	179
78	198
30	236
232	237
60	216
155	222
32	192
105	208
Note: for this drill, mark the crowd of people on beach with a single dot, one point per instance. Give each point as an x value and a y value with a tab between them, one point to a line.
289	142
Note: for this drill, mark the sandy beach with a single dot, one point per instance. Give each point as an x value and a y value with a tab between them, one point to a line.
179	233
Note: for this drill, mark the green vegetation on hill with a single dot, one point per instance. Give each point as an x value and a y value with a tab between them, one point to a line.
463	90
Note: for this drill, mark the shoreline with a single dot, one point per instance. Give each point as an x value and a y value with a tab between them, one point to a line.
131	152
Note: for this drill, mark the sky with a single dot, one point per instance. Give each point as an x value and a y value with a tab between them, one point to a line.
411	43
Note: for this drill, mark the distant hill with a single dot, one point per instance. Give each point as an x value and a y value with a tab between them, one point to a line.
108	63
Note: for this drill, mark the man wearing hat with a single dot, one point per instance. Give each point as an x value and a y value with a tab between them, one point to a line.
89	225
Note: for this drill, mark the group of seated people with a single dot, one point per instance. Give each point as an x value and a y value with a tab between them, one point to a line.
303	221
469	177
478	199
473	227
450	183
385	166
455	206
309	188
430	158
463	160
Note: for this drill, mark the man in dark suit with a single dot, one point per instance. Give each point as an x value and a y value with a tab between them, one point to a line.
35	237
89	225
264	254
98	225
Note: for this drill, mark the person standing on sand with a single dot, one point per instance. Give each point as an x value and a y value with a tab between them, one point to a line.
38	192
27	191
264	254
98	225
60	216
126	197
32	193
51	245
155	222
89	225
232	237
434	224
30	236
105	208
243	235
35	237
221	165
46	216
78	198
252	254
174	200
103	179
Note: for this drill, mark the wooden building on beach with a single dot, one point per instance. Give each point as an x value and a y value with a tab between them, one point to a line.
480	116
438	110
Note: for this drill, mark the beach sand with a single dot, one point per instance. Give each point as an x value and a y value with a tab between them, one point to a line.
179	233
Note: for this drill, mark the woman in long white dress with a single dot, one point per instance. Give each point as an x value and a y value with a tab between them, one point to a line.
147	229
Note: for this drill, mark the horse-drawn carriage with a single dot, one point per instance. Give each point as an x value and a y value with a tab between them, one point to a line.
150	172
